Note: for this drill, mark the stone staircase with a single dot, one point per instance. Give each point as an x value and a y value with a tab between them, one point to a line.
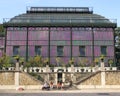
85	76
27	79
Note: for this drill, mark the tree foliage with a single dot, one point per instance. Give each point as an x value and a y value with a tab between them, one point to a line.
5	61
36	61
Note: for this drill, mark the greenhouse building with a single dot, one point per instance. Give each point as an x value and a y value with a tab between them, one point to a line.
64	33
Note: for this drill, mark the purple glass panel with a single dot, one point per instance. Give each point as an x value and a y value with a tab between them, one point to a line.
75	51
82	35
88	50
59	42
97	51
32	50
103	35
67	51
44	51
9	50
17	35
38	35
110	51
60	35
38	43
22	50
2	41
53	51
16	42
1	53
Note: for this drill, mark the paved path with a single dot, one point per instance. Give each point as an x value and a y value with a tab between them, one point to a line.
59	94
64	91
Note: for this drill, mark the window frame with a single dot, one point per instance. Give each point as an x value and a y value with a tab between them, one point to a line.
82	55
36	50
102	50
16	52
61	54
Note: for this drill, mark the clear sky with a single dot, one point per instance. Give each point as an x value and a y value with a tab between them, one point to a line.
107	8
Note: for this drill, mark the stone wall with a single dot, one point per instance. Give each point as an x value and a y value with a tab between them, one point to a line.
26	79
93	80
6	78
112	78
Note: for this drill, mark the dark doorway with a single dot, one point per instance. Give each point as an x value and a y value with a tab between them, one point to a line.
60	77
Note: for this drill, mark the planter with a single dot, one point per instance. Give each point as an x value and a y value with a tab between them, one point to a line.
82	70
110	68
37	70
32	70
6	68
102	60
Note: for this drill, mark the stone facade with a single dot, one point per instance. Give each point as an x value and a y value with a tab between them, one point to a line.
26	79
6	78
112	78
94	80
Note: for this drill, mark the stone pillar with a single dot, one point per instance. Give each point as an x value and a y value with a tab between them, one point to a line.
17	74
56	78
102	66
103	78
63	77
47	68
72	68
48	77
72	72
17	66
73	77
16	78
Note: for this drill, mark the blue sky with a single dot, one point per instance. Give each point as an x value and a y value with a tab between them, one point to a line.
107	8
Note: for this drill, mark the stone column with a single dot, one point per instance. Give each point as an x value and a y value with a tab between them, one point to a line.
63	77
103	78
47	68
102	66
72	72
102	73
17	69
56	78
17	66
72	68
16	78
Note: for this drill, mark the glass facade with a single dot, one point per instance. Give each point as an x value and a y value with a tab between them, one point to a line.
64	32
65	42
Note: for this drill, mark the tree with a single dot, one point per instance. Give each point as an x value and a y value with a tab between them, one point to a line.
36	61
1	28
117	45
2	32
5	61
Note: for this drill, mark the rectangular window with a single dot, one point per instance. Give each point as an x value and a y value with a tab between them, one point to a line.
104	50
37	50
82	50
15	50
60	50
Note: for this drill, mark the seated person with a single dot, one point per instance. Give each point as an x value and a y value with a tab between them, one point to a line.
46	86
51	85
59	85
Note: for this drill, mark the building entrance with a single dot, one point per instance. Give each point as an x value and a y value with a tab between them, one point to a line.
59	77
